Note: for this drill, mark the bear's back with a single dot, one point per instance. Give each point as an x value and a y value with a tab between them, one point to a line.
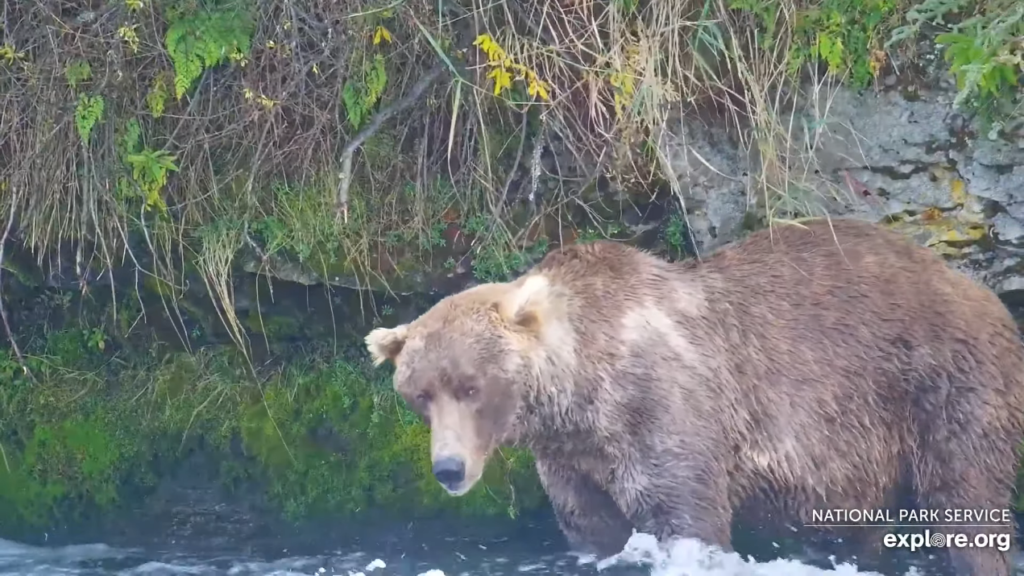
851	328
841	326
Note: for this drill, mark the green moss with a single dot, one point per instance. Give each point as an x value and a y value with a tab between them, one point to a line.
272	326
78	459
61	443
333	441
319	438
159	286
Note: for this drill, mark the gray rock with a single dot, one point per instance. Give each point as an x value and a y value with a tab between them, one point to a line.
1007	228
873	156
712	175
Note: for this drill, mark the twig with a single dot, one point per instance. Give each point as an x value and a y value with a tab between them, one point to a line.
515	164
3	310
252	244
345	174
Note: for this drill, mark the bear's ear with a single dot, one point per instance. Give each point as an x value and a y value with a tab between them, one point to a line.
386	343
524	306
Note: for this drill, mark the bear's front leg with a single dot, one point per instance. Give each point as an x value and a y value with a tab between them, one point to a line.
587	514
678	495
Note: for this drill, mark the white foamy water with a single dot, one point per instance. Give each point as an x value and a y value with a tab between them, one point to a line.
692	558
642	556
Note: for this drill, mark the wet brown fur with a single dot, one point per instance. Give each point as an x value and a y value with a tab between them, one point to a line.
828	363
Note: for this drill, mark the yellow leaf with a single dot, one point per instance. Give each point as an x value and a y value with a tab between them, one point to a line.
947	230
490	48
10	54
973	233
502	79
542	91
505	82
536	88
958	190
381	33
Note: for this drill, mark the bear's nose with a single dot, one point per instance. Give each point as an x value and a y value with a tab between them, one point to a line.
449	471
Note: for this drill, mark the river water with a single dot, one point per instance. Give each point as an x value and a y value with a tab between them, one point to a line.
415	549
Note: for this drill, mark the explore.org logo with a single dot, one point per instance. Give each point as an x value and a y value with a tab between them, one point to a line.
929	539
969	528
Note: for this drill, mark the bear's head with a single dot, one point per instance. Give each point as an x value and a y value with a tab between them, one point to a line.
466	366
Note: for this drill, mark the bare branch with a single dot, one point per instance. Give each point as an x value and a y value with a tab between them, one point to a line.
345	174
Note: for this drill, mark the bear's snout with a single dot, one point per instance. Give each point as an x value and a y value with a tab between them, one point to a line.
450	472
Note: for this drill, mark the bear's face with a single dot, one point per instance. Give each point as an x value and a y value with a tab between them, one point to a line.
466	393
463	367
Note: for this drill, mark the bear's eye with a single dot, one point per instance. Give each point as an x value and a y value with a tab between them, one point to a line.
467	391
423	397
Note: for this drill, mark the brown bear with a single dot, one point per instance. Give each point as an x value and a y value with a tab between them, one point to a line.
829	361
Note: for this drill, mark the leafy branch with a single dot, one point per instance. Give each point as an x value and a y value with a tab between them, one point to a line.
204	40
88	112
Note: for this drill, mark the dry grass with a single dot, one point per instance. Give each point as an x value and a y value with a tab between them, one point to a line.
275	115
631	75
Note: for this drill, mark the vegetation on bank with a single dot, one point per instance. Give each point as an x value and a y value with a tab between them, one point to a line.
370	143
110	411
369	140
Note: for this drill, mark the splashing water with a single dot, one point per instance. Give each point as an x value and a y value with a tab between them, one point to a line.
642	556
688	557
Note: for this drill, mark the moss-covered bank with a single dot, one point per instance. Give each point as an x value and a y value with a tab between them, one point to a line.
102	417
